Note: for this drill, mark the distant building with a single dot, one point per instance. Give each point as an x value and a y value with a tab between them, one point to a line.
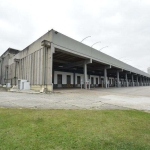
148	70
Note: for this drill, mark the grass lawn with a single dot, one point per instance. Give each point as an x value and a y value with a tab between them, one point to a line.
26	129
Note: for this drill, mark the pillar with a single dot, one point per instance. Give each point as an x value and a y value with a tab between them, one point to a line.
132	81
105	78
48	50
49	67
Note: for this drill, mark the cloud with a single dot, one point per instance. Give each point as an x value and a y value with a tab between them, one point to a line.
123	25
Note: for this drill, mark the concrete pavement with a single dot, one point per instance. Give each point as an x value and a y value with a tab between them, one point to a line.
98	98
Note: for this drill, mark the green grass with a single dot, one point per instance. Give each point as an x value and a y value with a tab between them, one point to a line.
25	129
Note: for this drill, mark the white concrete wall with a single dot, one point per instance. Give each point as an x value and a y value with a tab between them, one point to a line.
94	78
64	77
81	77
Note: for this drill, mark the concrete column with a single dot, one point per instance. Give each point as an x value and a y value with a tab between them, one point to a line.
105	78
85	75
49	67
118	84
132	81
126	78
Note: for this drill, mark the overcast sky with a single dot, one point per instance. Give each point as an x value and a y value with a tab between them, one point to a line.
122	25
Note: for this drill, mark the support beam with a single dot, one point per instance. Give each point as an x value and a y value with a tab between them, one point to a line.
49	49
70	65
105	75
132	80
85	71
105	78
118	78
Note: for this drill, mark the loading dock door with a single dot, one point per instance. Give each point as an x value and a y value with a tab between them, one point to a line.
97	81
68	81
59	80
78	79
92	80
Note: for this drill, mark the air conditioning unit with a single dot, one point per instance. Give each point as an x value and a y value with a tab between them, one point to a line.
23	84
8	85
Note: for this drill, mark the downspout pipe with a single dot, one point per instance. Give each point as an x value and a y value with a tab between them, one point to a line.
15	72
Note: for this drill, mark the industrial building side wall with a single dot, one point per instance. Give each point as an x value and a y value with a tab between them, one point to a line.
3	67
30	63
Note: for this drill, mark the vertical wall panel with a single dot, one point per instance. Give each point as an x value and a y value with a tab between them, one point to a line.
29	65
48	67
41	66
31	70
37	68
27	68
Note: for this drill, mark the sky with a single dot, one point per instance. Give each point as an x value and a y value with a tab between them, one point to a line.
122	25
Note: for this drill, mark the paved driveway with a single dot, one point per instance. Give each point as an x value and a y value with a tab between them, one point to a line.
98	98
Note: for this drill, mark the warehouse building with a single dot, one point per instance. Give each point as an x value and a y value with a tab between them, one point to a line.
57	61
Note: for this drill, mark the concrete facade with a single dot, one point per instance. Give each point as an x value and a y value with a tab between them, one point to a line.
55	56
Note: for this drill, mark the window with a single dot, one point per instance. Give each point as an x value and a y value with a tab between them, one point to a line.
78	80
68	79
59	78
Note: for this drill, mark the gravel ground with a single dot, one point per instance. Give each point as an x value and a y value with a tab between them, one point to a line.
113	98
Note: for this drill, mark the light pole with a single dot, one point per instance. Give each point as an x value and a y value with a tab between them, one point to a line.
103	48
96	43
85	38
